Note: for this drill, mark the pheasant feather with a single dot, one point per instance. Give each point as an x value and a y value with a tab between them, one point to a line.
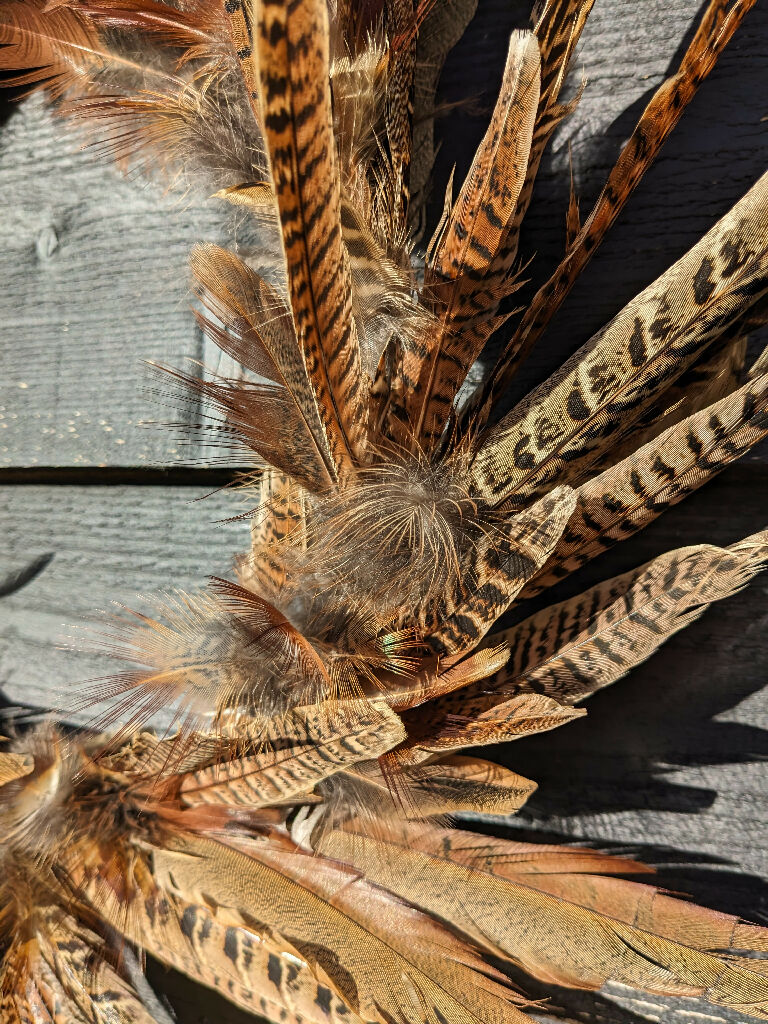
289	844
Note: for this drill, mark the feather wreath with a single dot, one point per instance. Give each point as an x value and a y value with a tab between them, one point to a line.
289	845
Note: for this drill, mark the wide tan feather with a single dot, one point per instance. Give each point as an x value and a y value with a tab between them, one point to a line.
575	648
555	939
380	954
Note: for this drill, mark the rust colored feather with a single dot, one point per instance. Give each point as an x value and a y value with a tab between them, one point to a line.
466	279
291	44
717	26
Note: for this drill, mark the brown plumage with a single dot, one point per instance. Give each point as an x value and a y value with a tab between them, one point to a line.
289	844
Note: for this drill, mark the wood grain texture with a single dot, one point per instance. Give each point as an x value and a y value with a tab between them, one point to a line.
95	283
108	544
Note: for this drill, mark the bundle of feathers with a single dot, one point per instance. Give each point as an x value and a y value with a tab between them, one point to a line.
288	842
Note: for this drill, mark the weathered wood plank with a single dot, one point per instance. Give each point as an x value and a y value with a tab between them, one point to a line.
95	284
94	267
109	544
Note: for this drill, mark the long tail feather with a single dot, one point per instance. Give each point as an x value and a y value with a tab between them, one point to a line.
465	279
565	423
291	45
554	938
558	25
398	964
718	24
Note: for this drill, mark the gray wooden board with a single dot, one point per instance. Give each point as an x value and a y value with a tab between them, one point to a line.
109	544
669	763
94	267
95	285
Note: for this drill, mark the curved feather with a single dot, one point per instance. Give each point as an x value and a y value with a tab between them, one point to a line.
716	28
564	423
628	496
465	280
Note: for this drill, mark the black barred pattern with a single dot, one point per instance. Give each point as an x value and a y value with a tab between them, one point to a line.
465	784
564	424
55	971
501	566
402	32
478	716
293	60
572	649
630	495
238	963
465	281
278	522
719	22
718	373
558	25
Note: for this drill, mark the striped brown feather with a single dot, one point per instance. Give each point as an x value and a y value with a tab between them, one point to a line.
307	745
57	970
495	573
564	424
292	50
718	23
14	766
574	648
478	718
57	50
628	496
716	375
452	784
465	280
558	25
387	960
234	960
402	32
278	523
